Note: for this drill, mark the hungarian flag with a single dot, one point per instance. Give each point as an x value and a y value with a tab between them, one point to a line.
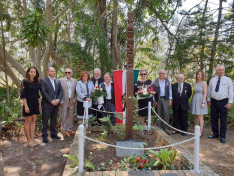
120	89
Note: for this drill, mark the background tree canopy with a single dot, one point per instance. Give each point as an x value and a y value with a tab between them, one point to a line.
86	34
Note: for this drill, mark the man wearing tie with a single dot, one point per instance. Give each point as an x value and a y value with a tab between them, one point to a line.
67	104
181	92
51	91
219	98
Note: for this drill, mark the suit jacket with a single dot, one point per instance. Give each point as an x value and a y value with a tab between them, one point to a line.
65	98
103	86
181	100
100	80
48	92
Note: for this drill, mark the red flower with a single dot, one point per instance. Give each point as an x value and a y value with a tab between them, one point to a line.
138	159
148	90
139	90
95	90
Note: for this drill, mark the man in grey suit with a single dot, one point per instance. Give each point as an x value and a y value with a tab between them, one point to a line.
67	104
52	93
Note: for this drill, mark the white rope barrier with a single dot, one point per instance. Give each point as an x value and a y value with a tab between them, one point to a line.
152	148
116	112
172	126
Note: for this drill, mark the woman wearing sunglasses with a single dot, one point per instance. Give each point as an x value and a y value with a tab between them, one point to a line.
143	90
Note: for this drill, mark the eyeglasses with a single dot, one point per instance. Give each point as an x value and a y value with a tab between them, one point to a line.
143	74
67	72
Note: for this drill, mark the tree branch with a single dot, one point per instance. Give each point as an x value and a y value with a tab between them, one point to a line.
62	12
149	5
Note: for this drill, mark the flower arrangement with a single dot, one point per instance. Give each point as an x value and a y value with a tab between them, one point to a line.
143	93
98	92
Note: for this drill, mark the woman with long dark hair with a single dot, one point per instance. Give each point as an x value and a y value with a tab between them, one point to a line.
31	103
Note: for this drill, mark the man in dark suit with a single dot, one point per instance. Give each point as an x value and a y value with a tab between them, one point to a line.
51	91
109	101
97	80
181	92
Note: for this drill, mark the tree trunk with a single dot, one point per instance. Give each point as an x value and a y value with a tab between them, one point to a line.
213	49
10	73
13	62
114	41
202	53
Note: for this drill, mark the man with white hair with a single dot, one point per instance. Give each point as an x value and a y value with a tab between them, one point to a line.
162	98
219	99
181	92
97	80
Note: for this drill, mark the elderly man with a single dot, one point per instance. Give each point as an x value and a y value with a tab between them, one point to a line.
219	98
97	80
181	92
52	93
163	98
109	101
67	104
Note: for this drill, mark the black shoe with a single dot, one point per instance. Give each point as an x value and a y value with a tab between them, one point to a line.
183	134
213	136
168	133
222	140
55	137
45	140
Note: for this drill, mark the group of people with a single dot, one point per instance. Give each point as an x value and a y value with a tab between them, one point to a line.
68	92
218	96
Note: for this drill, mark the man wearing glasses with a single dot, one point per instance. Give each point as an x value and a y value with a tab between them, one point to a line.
163	98
67	105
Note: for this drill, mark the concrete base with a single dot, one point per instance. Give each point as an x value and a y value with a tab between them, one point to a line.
128	152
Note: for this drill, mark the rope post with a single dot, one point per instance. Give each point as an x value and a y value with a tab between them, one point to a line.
86	113
81	148
196	148
149	116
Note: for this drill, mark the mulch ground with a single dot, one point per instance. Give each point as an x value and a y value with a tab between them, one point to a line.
48	160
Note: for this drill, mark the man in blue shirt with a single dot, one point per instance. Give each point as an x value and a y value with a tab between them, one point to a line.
163	98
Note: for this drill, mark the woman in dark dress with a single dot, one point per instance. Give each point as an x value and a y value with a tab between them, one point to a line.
144	84
31	103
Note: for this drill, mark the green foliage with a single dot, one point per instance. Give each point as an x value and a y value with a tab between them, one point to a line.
103	135
88	165
165	158
75	159
35	29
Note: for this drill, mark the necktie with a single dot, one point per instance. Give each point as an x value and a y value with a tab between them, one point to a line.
217	85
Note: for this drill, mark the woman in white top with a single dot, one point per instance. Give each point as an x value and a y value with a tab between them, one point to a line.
84	89
198	104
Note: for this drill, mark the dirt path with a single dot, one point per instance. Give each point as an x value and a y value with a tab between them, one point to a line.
42	160
216	155
48	160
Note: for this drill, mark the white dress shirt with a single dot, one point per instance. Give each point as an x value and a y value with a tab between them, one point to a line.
225	89
69	85
52	82
108	91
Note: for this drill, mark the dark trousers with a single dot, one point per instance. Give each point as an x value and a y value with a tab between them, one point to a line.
49	113
97	114
219	111
180	119
109	106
